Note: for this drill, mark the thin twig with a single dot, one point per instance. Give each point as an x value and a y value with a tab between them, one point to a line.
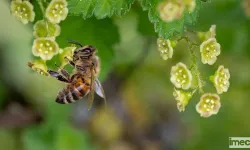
43	12
195	69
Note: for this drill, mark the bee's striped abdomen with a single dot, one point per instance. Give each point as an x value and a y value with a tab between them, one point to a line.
71	93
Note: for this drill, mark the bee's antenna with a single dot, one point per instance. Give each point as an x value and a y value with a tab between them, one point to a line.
74	42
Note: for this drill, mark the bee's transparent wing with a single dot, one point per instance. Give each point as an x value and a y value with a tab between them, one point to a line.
99	90
91	90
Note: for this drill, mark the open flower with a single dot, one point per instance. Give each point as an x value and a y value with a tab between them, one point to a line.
190	5
182	99
221	79
57	11
46	29
39	66
45	48
209	49
171	10
166	48
22	10
181	76
209	105
67	52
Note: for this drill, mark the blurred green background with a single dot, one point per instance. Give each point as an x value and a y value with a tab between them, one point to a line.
141	113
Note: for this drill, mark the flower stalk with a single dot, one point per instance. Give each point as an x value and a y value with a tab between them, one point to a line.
195	71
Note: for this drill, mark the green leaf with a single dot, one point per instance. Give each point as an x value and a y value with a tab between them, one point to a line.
167	30
102	34
101	8
145	27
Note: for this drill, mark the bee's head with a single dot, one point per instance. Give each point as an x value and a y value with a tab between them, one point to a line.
86	50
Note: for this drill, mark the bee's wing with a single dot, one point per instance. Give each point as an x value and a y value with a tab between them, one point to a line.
91	90
99	90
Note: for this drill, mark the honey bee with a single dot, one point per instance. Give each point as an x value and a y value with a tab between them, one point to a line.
84	80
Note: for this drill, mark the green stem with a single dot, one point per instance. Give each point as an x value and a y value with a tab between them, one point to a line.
194	66
41	6
188	41
43	12
196	71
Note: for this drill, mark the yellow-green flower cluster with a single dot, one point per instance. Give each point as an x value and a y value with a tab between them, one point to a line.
185	79
171	10
45	33
208	105
22	10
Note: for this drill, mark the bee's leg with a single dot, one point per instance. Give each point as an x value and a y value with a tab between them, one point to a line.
58	76
63	72
70	61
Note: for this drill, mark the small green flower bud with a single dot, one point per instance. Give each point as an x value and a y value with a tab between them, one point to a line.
208	105
46	29
209	34
57	11
22	10
67	52
209	49
182	99
221	79
165	47
171	10
190	5
181	76
45	48
39	66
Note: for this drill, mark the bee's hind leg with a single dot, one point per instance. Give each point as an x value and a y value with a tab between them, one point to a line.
58	76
